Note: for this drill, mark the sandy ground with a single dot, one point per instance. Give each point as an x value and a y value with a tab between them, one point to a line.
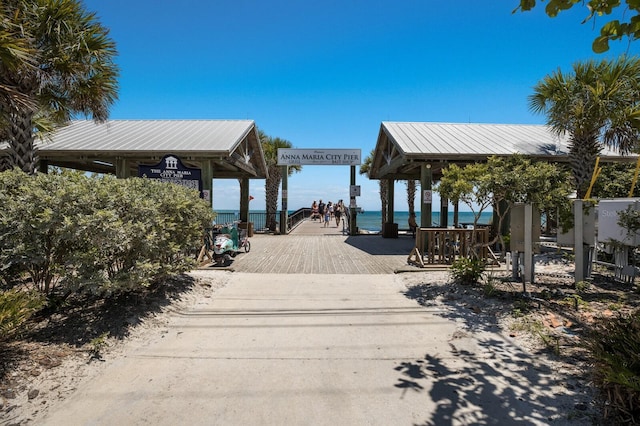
43	386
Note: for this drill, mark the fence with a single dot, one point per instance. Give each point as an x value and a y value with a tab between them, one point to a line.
260	219
441	246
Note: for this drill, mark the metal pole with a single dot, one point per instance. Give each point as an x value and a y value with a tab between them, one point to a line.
284	214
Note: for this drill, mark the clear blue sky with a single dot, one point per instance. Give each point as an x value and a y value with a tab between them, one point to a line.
326	74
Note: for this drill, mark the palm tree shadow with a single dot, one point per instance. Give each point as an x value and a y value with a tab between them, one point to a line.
487	380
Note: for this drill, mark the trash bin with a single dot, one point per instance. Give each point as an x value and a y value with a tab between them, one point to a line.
389	230
248	226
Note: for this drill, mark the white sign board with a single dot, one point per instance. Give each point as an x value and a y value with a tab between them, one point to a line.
313	157
354	190
608	217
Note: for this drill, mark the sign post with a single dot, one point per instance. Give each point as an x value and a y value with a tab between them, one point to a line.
317	157
170	169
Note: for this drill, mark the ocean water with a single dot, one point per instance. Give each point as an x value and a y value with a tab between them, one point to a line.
372	220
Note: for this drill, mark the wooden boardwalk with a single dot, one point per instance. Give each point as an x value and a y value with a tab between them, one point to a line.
312	248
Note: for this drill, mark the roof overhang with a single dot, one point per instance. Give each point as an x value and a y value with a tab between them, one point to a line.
403	148
231	146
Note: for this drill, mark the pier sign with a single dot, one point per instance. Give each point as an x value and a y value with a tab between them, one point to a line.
170	169
316	157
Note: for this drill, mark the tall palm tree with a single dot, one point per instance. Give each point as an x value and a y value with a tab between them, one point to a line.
70	70
411	196
597	105
272	183
365	168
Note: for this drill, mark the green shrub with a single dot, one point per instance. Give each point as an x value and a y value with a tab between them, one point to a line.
467	271
615	347
69	232
16	307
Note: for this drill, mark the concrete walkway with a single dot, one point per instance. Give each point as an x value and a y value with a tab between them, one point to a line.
317	349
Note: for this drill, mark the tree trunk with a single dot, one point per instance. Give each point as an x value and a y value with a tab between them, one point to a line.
384	198
411	195
583	152
272	188
5	162
22	152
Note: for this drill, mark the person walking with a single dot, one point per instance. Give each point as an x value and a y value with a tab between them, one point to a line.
315	214
321	208
327	214
337	212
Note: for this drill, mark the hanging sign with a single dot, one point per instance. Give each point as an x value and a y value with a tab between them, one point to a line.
170	169
312	157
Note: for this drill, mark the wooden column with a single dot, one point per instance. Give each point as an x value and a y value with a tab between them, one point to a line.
207	181
444	212
122	168
244	199
426	184
390	203
353	221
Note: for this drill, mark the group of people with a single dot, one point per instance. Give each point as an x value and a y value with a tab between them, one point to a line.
327	212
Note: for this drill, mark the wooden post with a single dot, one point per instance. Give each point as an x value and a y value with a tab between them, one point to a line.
207	181
353	213
390	203
426	182
122	168
444	212
244	200
528	243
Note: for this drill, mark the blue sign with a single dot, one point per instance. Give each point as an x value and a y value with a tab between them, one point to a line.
170	169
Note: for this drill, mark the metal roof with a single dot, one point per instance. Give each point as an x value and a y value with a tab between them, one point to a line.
136	136
402	146
233	146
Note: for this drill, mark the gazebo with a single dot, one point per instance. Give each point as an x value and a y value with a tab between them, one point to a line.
421	150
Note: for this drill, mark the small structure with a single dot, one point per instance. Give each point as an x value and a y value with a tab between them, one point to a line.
220	149
421	150
442	246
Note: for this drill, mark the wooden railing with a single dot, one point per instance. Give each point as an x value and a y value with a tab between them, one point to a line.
441	246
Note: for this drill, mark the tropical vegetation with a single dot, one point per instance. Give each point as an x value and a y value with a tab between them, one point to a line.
66	234
57	61
365	168
597	105
270	147
502	182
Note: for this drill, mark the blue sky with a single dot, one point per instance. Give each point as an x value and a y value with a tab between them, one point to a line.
326	74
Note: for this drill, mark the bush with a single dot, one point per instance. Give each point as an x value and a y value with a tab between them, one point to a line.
69	232
467	271
16	307
615	347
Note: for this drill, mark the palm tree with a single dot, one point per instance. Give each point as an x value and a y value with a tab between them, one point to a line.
272	183
70	70
411	196
597	105
365	168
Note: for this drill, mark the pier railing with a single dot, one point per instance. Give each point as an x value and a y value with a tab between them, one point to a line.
260	219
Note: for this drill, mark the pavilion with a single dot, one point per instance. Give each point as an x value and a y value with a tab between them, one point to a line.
421	150
220	149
